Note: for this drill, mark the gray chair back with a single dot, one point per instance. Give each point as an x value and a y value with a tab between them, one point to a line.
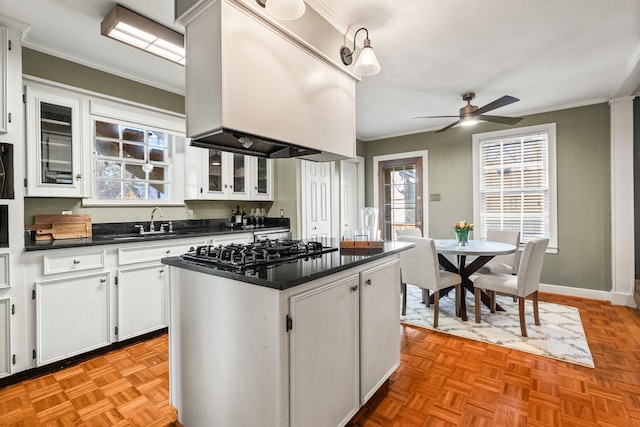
413	232
531	266
506	236
419	265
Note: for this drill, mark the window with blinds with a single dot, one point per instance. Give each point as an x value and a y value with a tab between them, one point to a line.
514	189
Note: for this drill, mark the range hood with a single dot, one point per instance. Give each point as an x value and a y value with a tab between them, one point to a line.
243	143
253	87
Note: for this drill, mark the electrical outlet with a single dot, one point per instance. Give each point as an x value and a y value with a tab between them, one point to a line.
434	197
189	214
67	212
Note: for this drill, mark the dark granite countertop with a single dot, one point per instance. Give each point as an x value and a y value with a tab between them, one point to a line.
125	233
287	275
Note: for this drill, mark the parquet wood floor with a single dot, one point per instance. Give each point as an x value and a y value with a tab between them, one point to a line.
442	381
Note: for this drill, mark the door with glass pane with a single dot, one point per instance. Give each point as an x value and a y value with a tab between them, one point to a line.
400	195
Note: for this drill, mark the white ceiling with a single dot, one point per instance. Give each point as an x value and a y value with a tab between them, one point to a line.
551	54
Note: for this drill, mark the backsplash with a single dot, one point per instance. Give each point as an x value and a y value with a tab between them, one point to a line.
201	210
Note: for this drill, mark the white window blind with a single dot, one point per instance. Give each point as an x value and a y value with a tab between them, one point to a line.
515	189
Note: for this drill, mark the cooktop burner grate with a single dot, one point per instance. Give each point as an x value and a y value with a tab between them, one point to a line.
242	257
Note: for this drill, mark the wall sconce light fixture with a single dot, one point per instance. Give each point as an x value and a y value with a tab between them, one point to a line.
367	63
128	27
283	9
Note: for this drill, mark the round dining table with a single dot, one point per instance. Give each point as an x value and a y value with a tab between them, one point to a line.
483	250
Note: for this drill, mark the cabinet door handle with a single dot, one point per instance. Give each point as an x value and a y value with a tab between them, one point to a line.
79	176
162	270
76	261
368	282
103	280
354	288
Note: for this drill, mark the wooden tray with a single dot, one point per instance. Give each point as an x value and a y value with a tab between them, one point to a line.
361	244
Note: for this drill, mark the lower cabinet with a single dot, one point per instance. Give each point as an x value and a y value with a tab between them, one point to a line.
307	356
72	316
142	300
379	333
323	373
5	337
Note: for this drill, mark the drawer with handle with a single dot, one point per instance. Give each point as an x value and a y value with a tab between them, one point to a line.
134	254
73	262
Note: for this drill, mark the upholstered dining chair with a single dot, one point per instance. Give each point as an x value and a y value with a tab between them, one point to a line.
524	284
505	264
415	232
419	266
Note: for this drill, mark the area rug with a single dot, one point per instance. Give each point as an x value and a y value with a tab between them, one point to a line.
560	335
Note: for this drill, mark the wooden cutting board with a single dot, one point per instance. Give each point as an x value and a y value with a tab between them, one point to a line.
49	227
69	230
55	219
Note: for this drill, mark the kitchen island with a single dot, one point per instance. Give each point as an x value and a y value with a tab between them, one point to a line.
303	343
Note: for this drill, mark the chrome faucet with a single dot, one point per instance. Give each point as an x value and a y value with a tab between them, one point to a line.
152	228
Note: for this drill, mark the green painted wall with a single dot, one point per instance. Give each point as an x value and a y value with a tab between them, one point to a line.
49	67
584	205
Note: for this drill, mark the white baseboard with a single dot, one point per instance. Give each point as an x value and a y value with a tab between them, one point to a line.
614	297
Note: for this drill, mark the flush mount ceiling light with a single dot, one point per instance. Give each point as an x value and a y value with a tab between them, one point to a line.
367	63
283	9
135	30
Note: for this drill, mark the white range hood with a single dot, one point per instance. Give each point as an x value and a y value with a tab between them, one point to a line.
255	88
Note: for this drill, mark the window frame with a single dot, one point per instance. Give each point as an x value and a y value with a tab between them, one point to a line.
550	129
148	119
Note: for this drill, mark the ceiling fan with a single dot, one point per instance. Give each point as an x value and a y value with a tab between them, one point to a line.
471	114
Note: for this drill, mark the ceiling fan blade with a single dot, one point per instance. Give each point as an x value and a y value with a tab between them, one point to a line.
448	127
433	117
500	102
500	119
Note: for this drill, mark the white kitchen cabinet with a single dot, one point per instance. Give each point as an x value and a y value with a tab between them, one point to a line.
54	155
142	300
220	175
4	59
5	266
379	333
324	366
261	176
72	316
5	337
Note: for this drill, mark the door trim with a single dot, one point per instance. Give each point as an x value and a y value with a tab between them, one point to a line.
425	181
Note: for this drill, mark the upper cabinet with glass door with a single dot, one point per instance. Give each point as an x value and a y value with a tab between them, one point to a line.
219	175
54	166
261	173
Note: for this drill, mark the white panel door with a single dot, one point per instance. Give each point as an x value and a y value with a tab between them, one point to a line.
316	199
142	300
72	316
323	353
351	193
5	337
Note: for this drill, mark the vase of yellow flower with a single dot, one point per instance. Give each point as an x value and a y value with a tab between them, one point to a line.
462	230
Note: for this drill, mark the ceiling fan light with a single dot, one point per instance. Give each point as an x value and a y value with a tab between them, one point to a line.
469	121
285	10
367	63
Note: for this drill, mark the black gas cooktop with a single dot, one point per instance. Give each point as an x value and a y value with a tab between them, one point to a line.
262	253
